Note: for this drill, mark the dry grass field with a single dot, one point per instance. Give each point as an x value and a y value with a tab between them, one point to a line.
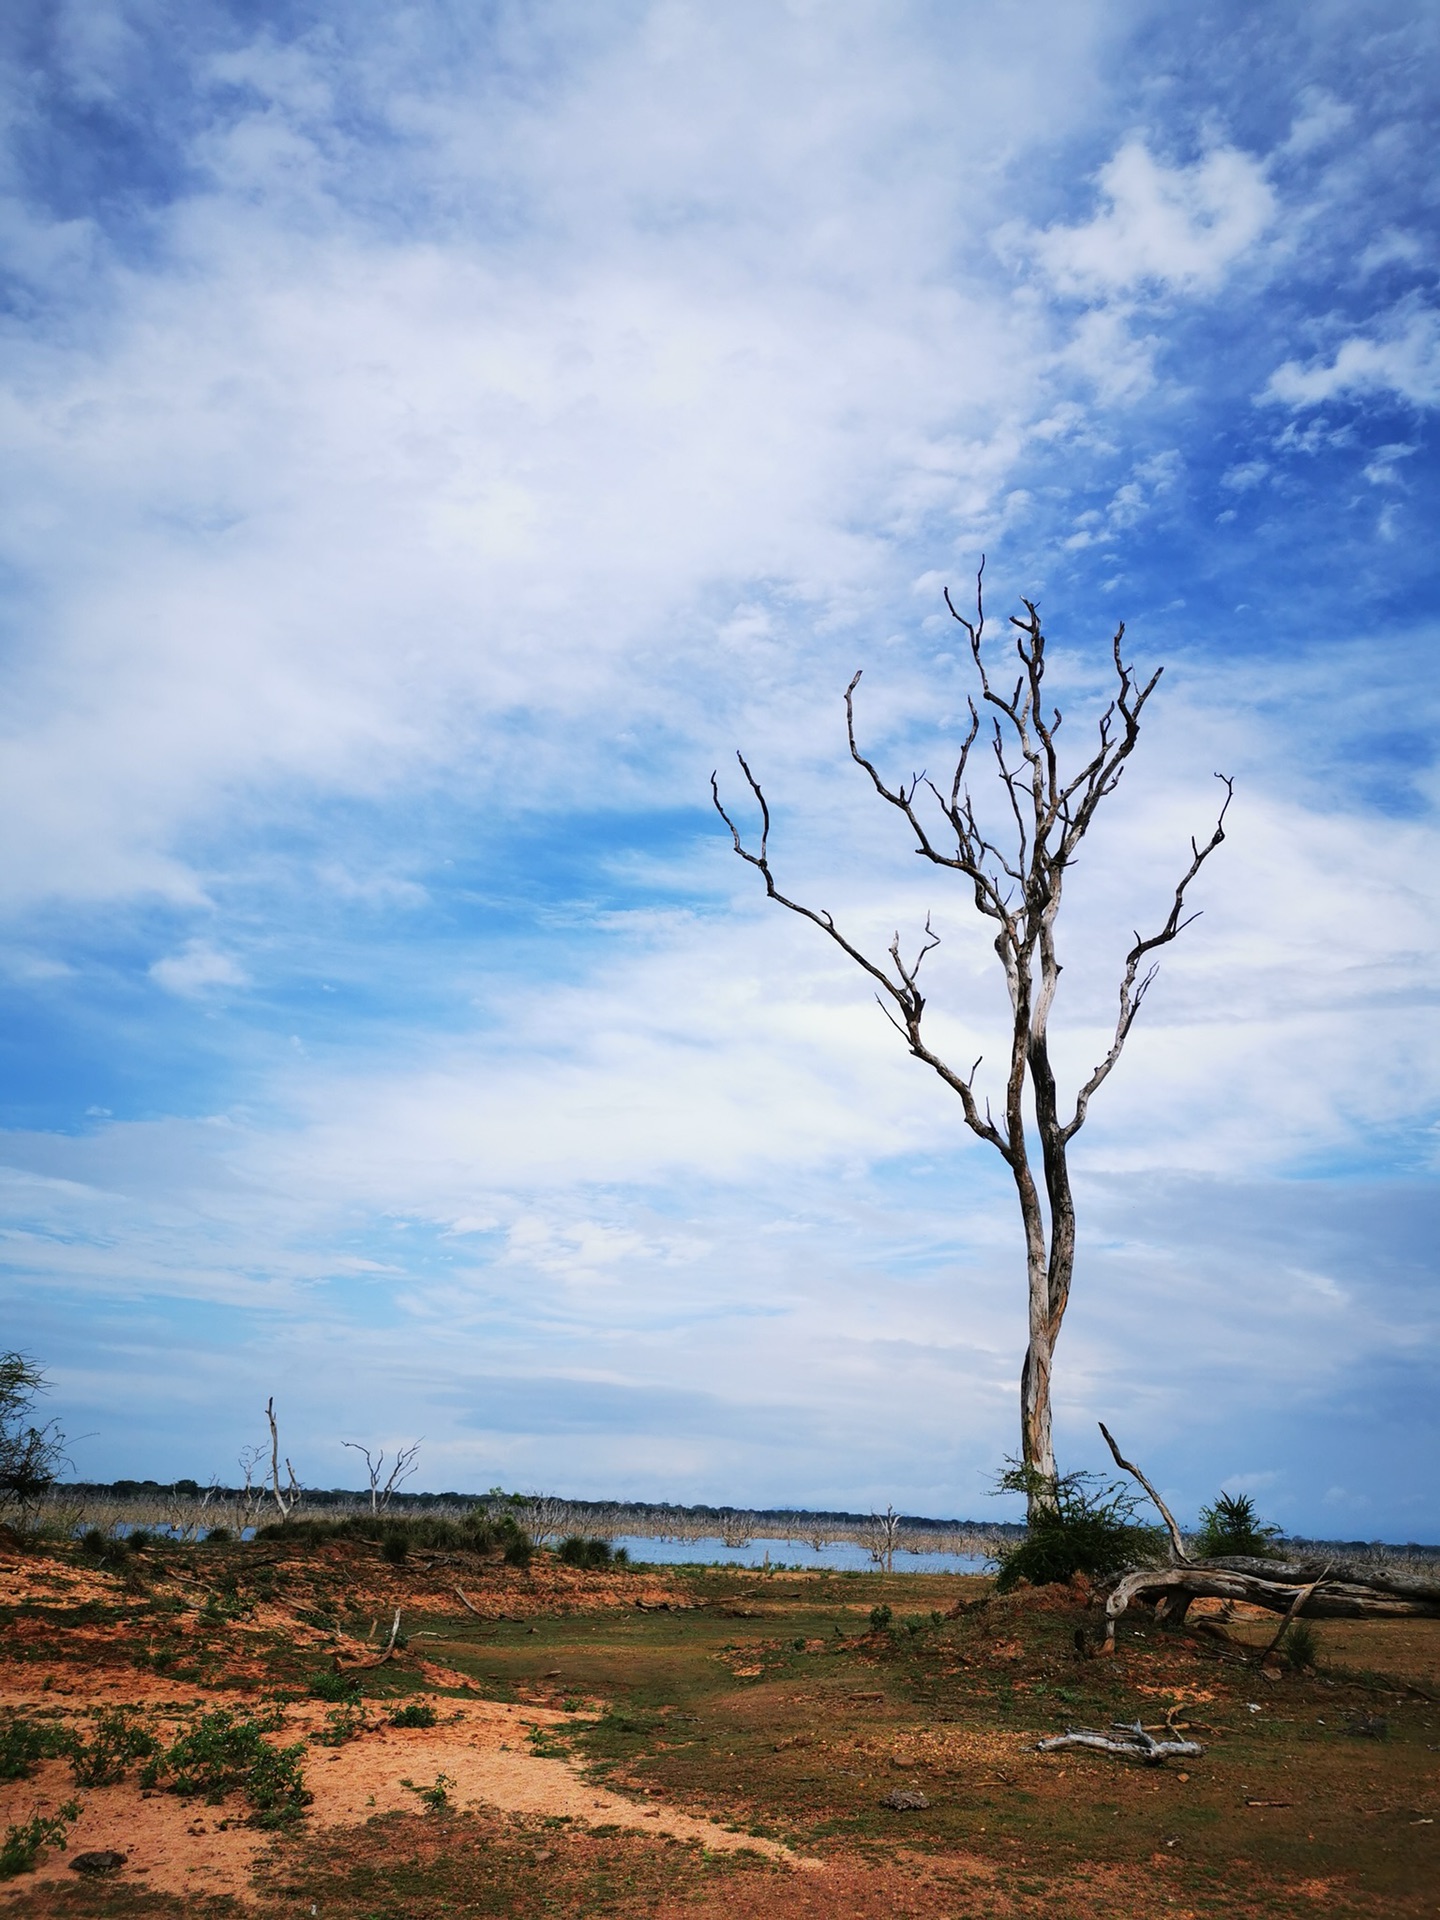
682	1742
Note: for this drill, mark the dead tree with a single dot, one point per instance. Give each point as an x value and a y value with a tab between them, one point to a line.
401	1469
1016	886
286	1497
885	1530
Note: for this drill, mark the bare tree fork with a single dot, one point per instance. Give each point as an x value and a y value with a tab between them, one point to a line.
1177	1543
1359	1596
287	1498
355	1666
1017	887
401	1470
1129	1740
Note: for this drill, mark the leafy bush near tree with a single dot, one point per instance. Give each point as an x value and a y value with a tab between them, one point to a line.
1078	1524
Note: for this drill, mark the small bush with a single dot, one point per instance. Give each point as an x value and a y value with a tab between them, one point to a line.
333	1686
1301	1645
394	1547
221	1752
25	1742
1088	1526
1232	1526
22	1846
414	1713
104	1549
118	1738
880	1618
139	1538
217	1536
520	1550
436	1798
577	1551
343	1724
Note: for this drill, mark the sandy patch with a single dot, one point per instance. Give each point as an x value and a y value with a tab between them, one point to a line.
177	1846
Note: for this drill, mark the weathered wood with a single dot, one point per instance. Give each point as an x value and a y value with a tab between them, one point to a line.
1126	1738
1349	1599
1177	1544
355	1666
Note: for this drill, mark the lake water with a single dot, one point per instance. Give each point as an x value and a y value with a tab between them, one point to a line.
841	1556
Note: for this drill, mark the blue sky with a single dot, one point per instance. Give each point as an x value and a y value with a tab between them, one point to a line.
436	437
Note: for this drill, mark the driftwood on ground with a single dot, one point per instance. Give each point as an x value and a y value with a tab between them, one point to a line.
1128	1739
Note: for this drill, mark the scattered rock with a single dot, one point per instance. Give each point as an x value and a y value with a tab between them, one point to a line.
104	1860
905	1800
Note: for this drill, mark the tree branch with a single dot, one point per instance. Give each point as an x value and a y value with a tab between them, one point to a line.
1177	1544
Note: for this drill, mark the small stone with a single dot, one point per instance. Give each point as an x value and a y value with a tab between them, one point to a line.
905	1800
103	1860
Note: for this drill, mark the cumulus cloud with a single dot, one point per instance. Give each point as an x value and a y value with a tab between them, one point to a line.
1400	358
196	969
1174	229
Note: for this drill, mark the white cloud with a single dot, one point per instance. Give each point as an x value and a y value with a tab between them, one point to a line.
1401	357
1174	229
196	969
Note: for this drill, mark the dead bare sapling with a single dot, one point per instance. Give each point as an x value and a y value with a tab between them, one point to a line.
402	1467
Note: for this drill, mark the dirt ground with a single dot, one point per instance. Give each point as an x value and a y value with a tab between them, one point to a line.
692	1741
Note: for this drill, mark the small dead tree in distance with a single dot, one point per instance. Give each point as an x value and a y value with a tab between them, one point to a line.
287	1497
401	1468
1018	888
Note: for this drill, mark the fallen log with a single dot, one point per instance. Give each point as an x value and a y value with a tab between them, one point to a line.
1321	1590
1126	1738
1326	1599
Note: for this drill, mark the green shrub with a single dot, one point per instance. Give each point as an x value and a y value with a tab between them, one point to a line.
1232	1526
520	1550
394	1546
1088	1526
24	1742
880	1618
343	1724
333	1686
22	1846
414	1713
577	1551
118	1738
437	1797
104	1548
221	1752
1301	1645
139	1538
217	1536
